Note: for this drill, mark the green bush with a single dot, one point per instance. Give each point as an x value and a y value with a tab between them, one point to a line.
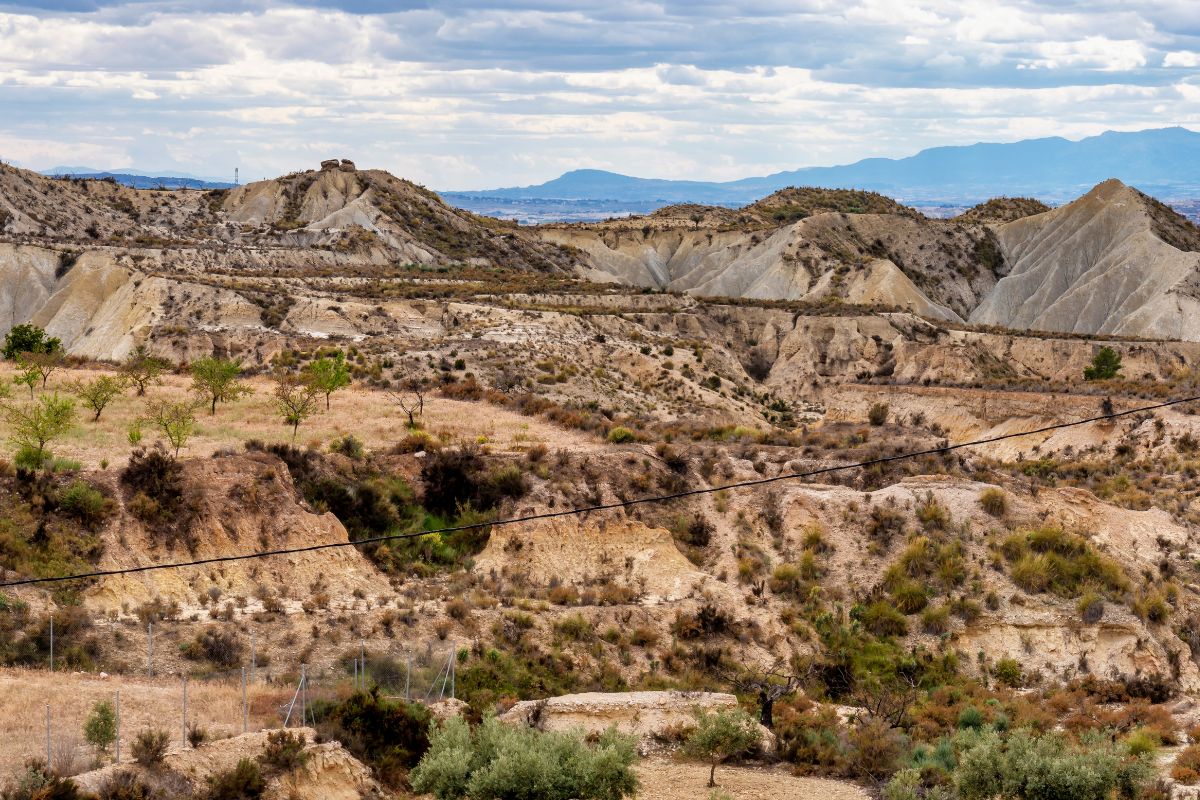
881	619
497	761
84	503
390	736
1008	671
100	728
1106	364
1051	560
877	414
284	751
621	435
149	747
243	782
1049	767
994	502
29	339
39	783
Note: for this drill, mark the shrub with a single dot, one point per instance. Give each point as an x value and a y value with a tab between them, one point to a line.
149	747
391	736
909	597
994	501
39	783
1186	767
1106	364
84	503
881	619
284	751
498	761
621	435
970	718
1048	767
243	782
127	785
877	414
196	735
1091	608
221	647
574	627
1051	560
1008	672
100	728
936	619
875	749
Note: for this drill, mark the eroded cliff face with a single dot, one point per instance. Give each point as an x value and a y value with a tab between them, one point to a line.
924	266
1097	265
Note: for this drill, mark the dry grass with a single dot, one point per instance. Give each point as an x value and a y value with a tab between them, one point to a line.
145	703
370	415
664	779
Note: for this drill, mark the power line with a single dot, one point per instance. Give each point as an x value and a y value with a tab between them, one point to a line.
597	507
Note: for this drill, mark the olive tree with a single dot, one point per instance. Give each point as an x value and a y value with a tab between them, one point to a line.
34	425
143	370
217	380
327	374
97	393
720	735
295	399
176	422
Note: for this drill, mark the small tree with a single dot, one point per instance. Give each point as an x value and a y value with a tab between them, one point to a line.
768	685
1106	364
176	421
100	729
328	374
295	400
97	393
27	376
43	364
35	425
721	735
142	369
217	381
29	339
411	399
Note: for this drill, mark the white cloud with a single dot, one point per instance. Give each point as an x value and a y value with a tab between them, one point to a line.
473	94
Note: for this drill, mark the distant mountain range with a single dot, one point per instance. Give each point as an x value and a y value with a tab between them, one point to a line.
140	181
1164	162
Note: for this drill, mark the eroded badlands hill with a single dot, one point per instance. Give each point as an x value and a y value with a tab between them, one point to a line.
1114	261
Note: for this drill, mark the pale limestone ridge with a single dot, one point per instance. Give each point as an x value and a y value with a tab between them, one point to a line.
1095	266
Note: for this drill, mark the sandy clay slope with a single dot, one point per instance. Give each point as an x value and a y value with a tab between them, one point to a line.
1098	265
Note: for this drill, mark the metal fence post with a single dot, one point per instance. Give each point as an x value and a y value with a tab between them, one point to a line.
48	737
185	725
150	649
453	667
303	695
253	657
245	707
408	679
52	642
117	759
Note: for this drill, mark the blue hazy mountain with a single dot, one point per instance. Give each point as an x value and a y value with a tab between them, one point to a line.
138	180
1161	161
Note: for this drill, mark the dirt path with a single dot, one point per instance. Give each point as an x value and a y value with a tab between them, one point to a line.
664	779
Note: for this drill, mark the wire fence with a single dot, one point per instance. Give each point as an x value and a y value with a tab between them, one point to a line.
216	704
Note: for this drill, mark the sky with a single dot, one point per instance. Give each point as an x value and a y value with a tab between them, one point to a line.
481	94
